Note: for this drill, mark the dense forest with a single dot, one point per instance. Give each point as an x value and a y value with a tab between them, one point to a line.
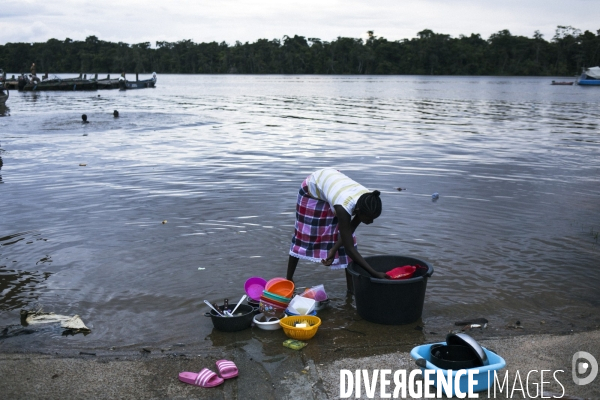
429	53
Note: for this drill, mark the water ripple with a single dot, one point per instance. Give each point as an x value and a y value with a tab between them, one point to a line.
220	159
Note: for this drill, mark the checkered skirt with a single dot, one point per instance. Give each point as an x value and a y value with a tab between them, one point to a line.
316	231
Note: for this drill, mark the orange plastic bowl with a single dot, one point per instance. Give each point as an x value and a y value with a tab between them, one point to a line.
272	282
283	288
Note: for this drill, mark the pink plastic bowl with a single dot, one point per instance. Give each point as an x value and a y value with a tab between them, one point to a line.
254	287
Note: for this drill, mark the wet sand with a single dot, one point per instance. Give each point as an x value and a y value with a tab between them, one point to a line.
295	374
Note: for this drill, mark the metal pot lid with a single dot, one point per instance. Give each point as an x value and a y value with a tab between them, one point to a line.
462	339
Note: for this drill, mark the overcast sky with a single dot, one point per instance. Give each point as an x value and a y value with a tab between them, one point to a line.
136	21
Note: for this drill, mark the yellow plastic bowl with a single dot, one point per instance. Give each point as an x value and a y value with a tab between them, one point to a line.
289	326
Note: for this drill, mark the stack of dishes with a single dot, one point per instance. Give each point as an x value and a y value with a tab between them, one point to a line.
276	297
281	287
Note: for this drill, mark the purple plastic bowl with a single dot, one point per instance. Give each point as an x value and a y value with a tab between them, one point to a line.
254	287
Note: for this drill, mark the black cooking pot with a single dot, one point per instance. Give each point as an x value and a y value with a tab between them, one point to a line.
454	357
242	318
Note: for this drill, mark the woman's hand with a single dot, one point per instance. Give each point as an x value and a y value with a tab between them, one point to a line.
328	261
381	275
330	257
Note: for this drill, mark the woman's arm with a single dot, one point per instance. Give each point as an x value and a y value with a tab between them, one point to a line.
346	228
331	253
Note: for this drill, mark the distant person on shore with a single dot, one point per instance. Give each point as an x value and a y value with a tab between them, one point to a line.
330	207
116	114
84	119
34	77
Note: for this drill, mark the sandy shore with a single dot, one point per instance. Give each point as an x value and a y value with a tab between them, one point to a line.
293	375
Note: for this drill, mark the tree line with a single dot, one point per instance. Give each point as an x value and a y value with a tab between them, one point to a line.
429	53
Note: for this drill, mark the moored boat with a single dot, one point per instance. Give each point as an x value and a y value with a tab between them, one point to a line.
35	85
589	77
561	83
11	83
124	84
107	83
6	83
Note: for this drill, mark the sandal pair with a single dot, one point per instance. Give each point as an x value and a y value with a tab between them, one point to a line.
207	378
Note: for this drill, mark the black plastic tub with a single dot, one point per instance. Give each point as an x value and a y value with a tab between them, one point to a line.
386	301
240	321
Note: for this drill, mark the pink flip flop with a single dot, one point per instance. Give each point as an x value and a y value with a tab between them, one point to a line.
205	378
227	369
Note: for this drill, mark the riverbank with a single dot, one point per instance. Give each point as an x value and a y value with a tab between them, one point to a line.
287	374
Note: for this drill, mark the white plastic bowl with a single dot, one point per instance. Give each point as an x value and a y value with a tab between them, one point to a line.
271	325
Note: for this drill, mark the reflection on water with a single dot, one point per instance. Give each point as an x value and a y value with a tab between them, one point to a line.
18	288
220	158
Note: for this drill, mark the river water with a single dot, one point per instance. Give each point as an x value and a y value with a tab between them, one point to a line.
513	235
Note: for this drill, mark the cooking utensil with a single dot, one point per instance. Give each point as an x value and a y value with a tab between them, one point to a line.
236	323
213	308
237	305
462	339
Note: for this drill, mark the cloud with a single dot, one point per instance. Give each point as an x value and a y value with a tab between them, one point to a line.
136	21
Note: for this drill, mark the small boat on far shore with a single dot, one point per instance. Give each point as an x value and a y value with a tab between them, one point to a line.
562	83
34	84
11	83
124	84
107	83
589	77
